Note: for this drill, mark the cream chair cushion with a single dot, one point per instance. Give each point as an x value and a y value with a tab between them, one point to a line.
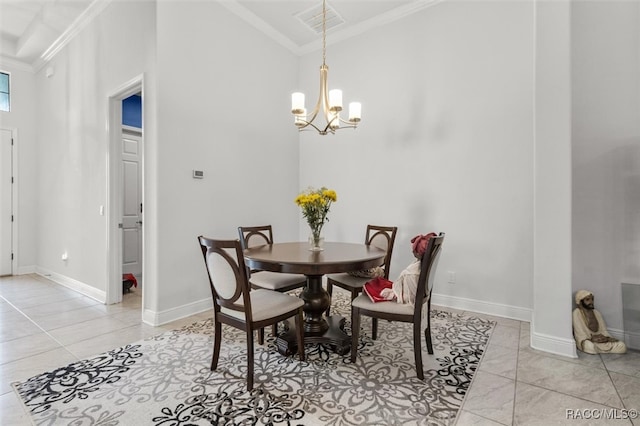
274	280
266	304
348	279
364	302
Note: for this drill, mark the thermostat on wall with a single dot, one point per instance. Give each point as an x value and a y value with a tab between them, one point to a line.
198	174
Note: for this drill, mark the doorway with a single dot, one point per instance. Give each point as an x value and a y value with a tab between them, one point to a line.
132	204
125	197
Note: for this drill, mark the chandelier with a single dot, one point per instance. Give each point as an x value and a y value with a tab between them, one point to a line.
329	102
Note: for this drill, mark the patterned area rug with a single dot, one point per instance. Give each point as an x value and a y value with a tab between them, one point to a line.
165	380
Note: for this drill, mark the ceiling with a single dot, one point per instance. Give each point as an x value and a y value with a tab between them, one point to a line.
32	30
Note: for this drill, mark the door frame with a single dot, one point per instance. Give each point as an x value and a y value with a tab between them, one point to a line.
114	188
14	198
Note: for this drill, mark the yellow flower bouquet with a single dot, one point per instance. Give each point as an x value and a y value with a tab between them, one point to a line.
315	205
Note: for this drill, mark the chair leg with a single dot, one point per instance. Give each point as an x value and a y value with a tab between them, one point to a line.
427	331
374	321
427	336
330	291
261	336
417	349
355	331
250	359
300	334
217	336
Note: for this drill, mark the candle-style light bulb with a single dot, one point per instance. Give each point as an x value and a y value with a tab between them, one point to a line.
297	103
300	119
355	112
335	100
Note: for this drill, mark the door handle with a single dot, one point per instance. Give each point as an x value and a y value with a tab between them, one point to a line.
139	222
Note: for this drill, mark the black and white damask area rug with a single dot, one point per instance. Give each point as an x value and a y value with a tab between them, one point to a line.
165	380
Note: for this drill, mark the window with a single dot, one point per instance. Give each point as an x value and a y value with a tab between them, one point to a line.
5	105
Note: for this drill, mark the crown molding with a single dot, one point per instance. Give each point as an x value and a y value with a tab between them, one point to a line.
256	22
339	35
14	63
95	8
369	24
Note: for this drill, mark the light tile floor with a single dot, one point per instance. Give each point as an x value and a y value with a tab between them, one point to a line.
44	325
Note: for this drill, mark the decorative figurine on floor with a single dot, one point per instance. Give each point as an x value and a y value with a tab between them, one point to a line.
589	329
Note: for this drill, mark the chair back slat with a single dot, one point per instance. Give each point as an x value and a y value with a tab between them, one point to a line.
382	237
428	266
251	236
227	274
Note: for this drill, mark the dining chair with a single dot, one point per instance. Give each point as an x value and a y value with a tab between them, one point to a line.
236	305
251	236
393	311
382	237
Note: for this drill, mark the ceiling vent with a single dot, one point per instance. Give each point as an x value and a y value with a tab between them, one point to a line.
312	18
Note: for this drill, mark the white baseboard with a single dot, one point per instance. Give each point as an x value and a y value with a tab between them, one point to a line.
567	347
631	339
163	317
73	284
489	308
553	344
24	270
546	343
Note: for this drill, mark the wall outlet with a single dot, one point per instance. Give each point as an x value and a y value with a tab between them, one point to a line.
65	256
452	277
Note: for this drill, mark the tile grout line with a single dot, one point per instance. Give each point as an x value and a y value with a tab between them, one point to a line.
613	383
515	378
42	329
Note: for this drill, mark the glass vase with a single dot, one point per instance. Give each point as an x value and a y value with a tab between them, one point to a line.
315	242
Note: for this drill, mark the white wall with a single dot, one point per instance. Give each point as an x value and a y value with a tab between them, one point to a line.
214	107
22	119
223	108
551	321
445	144
606	151
73	140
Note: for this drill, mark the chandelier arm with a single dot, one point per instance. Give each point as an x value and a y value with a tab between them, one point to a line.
309	123
323	98
318	106
348	122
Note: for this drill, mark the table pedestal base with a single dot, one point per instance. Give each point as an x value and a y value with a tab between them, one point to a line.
334	336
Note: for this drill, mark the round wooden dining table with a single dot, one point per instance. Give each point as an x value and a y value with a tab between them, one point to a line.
297	258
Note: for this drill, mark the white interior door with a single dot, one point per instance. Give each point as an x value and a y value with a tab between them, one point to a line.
6	209
131	204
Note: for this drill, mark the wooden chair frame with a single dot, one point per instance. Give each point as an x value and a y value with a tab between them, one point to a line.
373	231
242	292
264	233
423	295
